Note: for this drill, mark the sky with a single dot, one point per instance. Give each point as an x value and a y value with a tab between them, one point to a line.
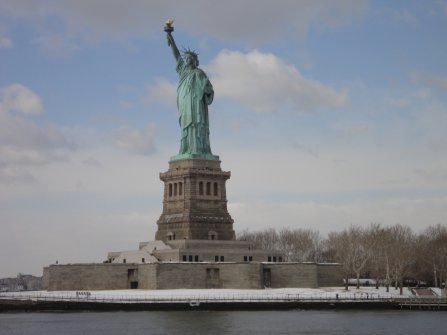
327	114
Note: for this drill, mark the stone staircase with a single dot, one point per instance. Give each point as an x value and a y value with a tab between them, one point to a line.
423	292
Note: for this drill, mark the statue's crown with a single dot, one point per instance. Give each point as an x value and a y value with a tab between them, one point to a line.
190	52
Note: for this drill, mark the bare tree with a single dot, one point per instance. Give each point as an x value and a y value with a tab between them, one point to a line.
383	252
361	249
403	248
264	239
338	243
299	245
433	244
377	236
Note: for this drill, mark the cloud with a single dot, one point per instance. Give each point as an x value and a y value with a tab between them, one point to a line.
232	19
24	143
423	93
416	213
135	141
306	149
261	81
435	176
266	83
162	91
91	162
429	79
18	98
406	16
359	127
399	102
249	22
5	40
126	105
15	175
69	235
56	45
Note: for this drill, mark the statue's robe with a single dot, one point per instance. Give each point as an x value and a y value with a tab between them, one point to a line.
194	94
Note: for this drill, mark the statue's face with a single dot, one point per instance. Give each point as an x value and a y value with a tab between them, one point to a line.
190	60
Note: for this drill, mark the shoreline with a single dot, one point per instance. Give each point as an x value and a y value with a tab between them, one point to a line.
15	305
218	299
72	306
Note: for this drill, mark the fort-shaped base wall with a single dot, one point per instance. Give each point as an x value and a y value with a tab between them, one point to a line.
184	275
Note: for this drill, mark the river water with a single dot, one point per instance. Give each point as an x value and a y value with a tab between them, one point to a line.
223	322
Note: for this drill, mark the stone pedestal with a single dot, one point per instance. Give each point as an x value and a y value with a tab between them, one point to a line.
195	202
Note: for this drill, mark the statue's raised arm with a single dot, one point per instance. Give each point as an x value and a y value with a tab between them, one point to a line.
171	42
194	94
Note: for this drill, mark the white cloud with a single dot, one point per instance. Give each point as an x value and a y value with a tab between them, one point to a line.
416	213
306	149
406	16
70	235
91	162
400	102
250	22
5	42
126	105
423	93
350	167
429	79
266	83
56	45
232	19
435	176
162	91
429	125
359	127
18	98
26	155
136	141
260	81
24	143
14	175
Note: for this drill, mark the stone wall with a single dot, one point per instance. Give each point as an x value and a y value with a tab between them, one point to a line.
74	277
250	275
329	275
242	275
167	255
147	276
209	275
206	251
293	275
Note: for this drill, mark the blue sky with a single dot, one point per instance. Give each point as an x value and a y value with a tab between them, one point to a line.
327	113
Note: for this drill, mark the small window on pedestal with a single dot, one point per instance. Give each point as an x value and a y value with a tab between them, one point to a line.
216	189
208	188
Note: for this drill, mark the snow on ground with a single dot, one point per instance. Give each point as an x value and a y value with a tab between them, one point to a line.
215	295
439	292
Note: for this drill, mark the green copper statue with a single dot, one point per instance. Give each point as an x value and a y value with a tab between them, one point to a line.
194	94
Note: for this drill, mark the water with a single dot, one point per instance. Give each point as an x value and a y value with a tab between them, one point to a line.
232	322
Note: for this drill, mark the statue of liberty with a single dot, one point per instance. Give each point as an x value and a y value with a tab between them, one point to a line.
194	94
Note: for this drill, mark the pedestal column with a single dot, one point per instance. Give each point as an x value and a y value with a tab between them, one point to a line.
195	202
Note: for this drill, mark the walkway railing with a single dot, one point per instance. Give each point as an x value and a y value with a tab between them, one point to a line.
92	296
